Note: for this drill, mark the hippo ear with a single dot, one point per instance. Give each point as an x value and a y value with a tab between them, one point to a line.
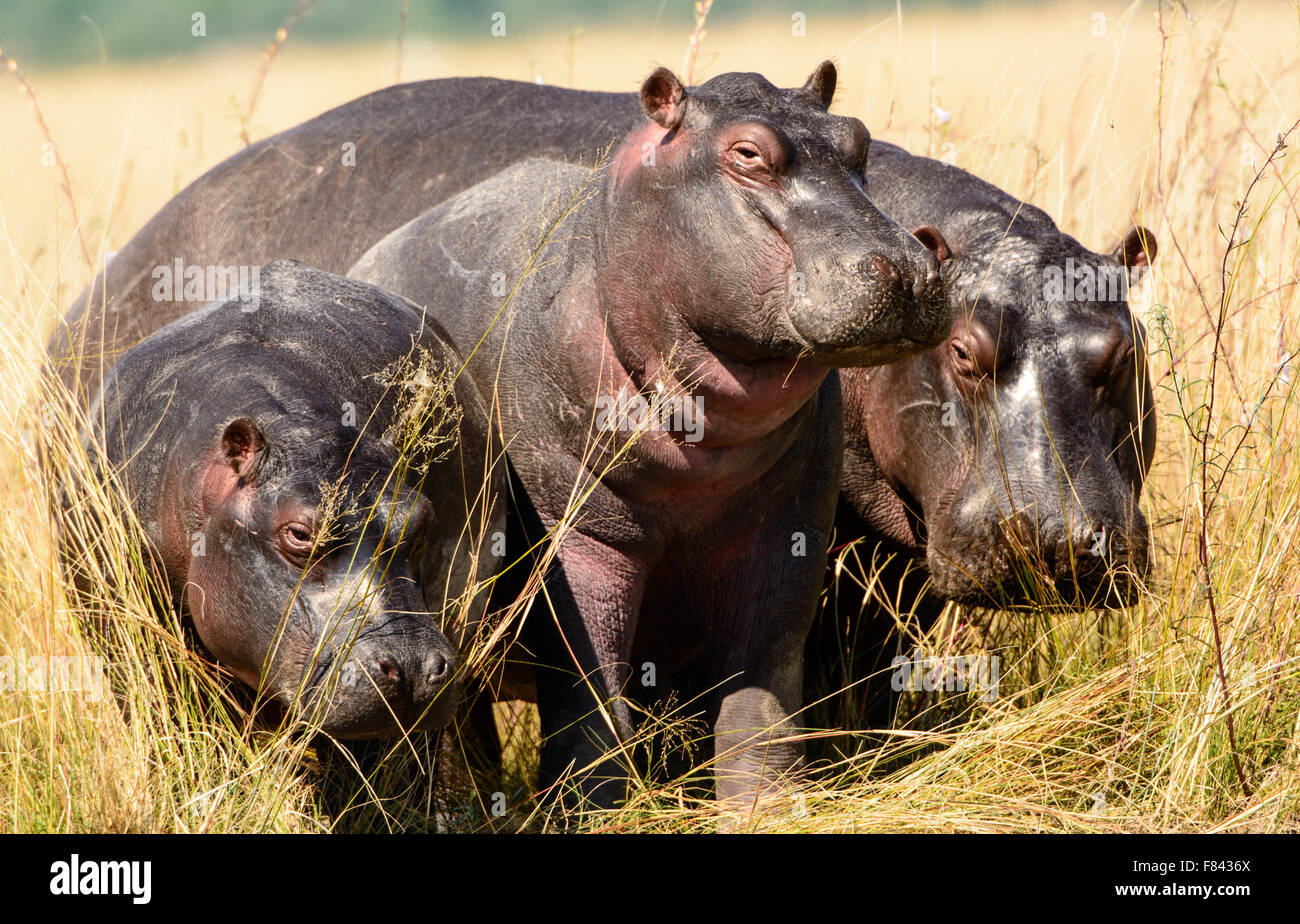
1137	251
930	236
663	96
821	83
243	446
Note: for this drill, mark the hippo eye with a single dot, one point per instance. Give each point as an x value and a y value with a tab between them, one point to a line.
753	155
964	361
749	159
296	538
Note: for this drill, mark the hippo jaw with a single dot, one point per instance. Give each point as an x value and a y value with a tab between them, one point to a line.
1024	559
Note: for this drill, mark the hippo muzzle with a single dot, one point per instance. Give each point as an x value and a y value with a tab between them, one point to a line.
1012	535
866	291
396	677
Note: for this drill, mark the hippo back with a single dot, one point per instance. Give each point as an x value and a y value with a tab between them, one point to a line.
324	191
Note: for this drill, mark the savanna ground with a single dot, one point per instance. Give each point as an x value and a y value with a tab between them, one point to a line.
1181	713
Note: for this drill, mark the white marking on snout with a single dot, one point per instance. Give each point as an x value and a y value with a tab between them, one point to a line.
347	604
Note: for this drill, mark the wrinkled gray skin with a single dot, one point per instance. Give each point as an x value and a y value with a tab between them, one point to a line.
291	196
937	496
225	427
1021	443
671	272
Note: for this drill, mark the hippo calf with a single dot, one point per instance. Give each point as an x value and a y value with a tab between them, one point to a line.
722	263
258	441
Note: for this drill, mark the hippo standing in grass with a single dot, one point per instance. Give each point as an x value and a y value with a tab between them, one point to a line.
418	144
1004	468
661	334
258	441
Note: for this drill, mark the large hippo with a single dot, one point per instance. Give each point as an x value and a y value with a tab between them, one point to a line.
1005	467
955	486
258	442
661	333
322	193
1010	460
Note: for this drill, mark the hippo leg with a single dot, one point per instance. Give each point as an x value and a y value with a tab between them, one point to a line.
755	737
762	604
583	714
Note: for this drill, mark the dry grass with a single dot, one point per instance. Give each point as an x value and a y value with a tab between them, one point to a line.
1112	722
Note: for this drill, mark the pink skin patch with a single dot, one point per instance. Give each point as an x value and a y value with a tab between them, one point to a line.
631	155
739	404
206	576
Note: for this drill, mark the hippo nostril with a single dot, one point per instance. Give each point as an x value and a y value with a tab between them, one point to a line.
884	268
436	669
390	670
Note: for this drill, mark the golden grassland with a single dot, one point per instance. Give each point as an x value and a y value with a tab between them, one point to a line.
1181	713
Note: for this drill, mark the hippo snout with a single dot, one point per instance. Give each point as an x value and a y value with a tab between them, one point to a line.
1022	558
911	284
386	685
405	679
876	310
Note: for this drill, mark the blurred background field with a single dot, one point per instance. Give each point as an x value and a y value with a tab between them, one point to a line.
1100	113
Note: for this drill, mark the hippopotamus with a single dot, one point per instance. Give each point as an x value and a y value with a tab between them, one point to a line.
305	501
320	193
958	490
660	332
1010	460
1004	468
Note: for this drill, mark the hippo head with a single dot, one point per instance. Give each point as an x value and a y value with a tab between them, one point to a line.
307	585
1019	446
738	209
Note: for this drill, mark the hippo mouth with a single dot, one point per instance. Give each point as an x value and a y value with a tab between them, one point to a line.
890	326
320	672
737	352
879	353
1037	592
993	576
